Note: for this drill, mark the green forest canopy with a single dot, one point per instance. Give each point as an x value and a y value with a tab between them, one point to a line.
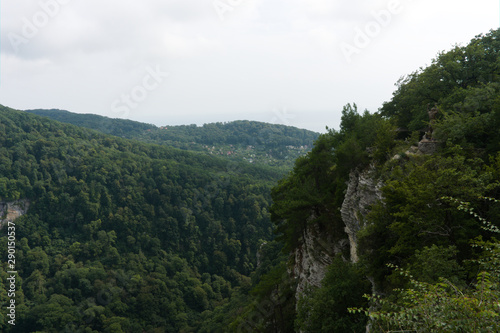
126	236
122	235
413	227
243	140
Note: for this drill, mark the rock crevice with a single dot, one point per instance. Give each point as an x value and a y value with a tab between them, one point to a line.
317	248
313	256
363	190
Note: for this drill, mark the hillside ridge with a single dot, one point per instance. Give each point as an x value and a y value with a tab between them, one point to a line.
251	141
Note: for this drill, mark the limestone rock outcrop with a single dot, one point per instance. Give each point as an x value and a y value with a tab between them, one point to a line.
363	190
313	256
11	210
317	248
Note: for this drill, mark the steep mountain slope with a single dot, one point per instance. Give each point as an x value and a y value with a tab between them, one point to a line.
123	236
250	141
410	187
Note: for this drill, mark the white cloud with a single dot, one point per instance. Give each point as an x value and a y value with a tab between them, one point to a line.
263	55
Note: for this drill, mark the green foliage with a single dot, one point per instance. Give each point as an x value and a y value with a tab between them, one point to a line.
266	304
472	123
413	226
314	191
326	309
435	262
443	306
122	235
413	216
271	305
119	127
444	81
249	141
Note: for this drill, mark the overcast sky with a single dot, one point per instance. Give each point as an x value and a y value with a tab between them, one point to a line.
293	62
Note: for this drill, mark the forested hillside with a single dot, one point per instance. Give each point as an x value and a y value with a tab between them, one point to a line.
118	127
249	141
122	236
391	222
419	182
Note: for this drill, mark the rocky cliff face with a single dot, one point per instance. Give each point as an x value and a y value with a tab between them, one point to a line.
11	210
363	190
317	249
313	256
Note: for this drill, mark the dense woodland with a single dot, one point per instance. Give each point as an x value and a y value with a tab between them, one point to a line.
123	235
429	249
128	236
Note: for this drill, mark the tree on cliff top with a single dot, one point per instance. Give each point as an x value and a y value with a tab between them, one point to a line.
443	82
